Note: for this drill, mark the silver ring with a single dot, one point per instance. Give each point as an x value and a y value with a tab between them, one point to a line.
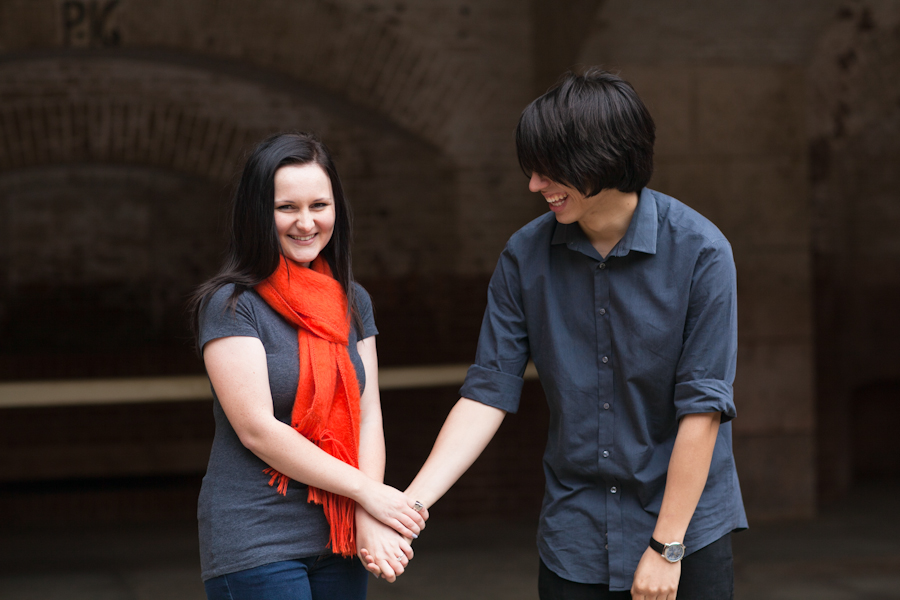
418	506
401	557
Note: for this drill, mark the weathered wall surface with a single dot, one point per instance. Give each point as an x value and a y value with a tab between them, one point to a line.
726	85
122	123
854	133
778	121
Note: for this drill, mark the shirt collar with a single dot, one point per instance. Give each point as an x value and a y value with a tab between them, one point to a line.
640	236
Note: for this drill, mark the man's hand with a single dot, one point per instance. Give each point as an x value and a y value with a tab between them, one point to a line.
655	578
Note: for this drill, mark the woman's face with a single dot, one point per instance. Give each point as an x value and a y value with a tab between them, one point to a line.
304	211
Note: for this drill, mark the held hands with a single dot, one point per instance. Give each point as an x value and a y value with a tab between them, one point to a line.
393	508
655	578
383	551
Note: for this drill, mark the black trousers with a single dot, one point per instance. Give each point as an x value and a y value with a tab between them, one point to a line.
707	574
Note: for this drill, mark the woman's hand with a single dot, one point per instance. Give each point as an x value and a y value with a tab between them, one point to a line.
383	551
393	508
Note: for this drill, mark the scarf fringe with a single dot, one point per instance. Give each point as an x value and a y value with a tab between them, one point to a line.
340	511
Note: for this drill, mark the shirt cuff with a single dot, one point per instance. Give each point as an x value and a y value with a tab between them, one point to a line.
493	388
705	396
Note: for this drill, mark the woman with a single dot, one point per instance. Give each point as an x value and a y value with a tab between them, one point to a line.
288	342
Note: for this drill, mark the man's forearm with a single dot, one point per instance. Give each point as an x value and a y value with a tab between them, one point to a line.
465	434
688	471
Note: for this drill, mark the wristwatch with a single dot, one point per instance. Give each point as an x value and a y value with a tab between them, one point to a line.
672	552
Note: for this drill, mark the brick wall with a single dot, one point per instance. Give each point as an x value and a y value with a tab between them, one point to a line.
121	125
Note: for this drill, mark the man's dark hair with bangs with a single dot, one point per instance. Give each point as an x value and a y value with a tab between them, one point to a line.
590	132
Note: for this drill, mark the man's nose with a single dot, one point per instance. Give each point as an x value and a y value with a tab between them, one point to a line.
537	182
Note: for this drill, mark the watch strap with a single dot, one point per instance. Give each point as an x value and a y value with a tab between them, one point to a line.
657	546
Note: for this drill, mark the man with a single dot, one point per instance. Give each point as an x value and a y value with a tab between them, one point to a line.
625	299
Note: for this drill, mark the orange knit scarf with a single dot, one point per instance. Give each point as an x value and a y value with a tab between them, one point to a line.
326	408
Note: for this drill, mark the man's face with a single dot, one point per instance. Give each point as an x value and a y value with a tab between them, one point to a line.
567	203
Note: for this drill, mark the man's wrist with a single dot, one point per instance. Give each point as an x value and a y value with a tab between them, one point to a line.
671	551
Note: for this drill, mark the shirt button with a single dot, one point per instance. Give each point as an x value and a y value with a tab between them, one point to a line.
604	360
606	405
601	266
606	454
606	546
613	489
602	311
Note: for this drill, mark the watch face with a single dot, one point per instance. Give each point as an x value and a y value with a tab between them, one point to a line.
674	552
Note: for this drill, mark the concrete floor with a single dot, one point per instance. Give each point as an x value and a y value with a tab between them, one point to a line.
849	552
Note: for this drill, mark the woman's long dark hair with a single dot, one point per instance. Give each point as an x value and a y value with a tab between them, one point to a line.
254	250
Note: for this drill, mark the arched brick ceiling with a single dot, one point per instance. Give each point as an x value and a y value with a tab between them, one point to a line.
198	120
319	42
64	109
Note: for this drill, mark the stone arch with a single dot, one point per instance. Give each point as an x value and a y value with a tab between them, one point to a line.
82	136
355	52
197	119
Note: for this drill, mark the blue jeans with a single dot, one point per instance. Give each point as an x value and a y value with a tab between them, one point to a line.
312	578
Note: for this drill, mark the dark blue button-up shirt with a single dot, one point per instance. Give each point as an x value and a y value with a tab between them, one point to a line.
625	346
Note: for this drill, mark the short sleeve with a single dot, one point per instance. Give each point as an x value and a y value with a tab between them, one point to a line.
496	378
706	369
366	312
218	320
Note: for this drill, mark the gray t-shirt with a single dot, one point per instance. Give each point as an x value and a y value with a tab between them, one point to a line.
243	522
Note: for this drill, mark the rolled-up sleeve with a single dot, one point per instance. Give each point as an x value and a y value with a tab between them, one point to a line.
706	369
496	377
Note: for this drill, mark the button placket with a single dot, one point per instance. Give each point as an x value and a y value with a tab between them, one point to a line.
605	384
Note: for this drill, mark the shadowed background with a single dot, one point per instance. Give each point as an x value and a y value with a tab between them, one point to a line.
123	122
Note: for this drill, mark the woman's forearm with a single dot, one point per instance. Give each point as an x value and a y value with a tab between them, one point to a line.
281	447
371	428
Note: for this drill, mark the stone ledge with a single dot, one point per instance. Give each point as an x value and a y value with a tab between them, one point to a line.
74	392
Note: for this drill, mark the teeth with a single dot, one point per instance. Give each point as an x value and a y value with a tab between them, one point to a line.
556	199
305	238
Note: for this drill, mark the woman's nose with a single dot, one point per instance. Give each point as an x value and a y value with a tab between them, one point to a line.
304	220
537	183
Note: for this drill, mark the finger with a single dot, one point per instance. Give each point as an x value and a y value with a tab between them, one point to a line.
403	530
397	566
424	513
368	561
387	573
412	522
407	550
418	517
